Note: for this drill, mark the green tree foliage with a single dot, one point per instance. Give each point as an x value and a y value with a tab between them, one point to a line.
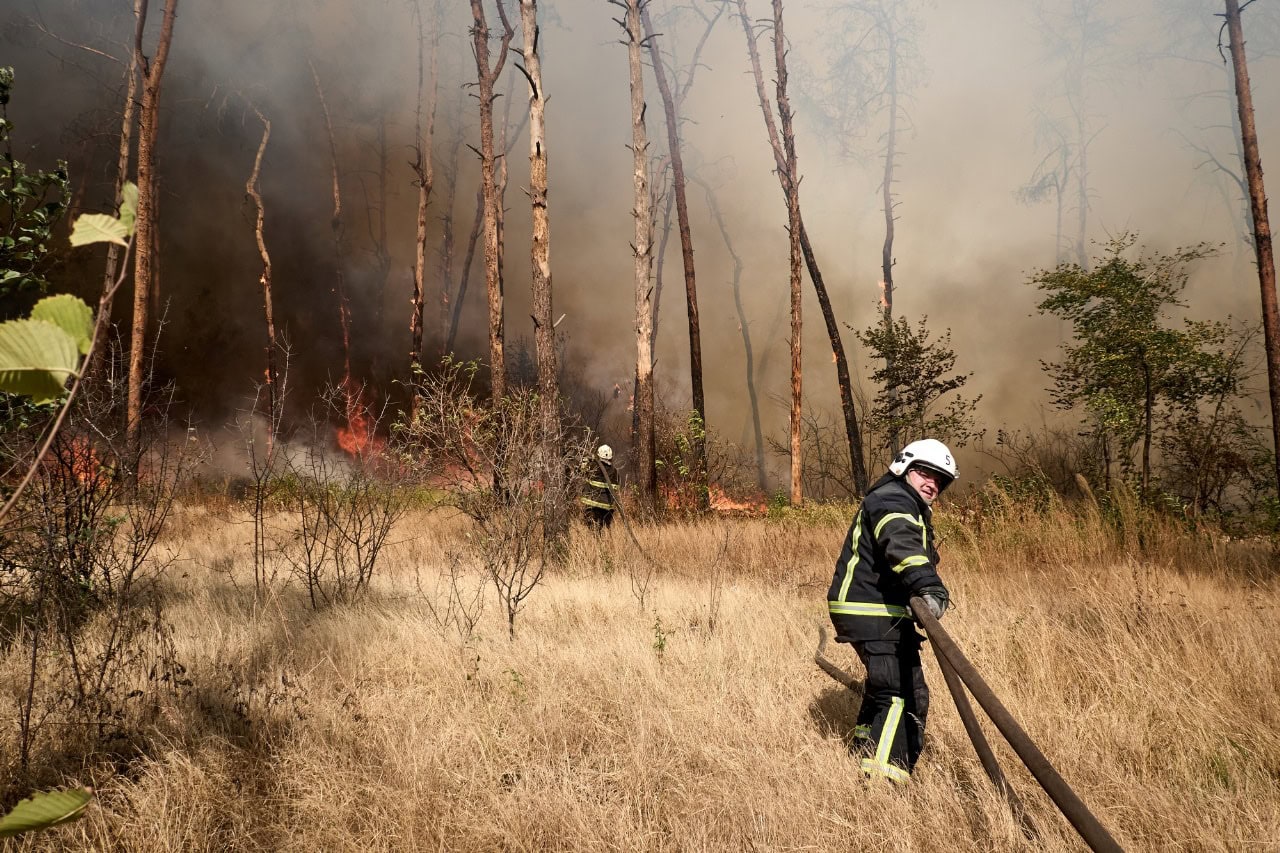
31	205
1129	363
920	390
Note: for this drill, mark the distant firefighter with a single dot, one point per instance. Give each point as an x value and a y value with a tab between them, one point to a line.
597	499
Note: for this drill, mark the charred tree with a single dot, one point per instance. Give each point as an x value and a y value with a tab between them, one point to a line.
1261	222
487	73
447	239
126	144
146	223
253	190
424	175
852	432
744	328
642	248
544	330
678	184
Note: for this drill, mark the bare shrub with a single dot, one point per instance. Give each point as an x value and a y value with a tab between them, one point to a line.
79	592
346	505
488	460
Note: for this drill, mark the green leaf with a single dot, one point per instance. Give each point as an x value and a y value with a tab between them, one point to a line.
98	228
69	314
36	357
45	810
129	205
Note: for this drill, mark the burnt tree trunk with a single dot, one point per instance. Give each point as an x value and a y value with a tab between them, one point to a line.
145	228
886	254
487	74
852	432
424	178
678	183
477	225
744	329
335	227
253	190
793	232
646	469
447	295
544	333
1261	222
111	271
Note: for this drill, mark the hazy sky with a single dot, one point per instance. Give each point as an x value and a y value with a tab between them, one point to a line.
965	244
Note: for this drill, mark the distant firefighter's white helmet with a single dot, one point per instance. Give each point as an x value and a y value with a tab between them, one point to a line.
605	452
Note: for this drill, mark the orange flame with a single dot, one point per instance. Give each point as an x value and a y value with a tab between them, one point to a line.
357	437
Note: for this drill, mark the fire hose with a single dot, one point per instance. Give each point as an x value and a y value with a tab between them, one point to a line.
956	668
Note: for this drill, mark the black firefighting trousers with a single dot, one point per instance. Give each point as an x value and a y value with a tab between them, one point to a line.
895	704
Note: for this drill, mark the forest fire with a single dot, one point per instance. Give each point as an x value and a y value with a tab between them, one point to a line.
358	436
723	503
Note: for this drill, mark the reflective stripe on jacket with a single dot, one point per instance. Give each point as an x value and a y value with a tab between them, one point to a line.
888	555
597	492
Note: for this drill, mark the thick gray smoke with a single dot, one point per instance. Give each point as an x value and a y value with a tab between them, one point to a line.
990	77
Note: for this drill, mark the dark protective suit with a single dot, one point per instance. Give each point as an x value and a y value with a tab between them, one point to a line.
888	556
597	501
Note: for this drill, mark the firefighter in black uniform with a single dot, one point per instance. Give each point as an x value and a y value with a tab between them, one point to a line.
889	556
597	499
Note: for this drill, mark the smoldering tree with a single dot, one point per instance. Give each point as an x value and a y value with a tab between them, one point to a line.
782	152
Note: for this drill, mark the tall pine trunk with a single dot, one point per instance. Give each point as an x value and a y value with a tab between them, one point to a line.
544	334
145	228
852	433
487	74
425	176
1261	222
686	254
646	469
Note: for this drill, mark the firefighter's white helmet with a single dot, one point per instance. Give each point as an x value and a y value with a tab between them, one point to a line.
605	452
927	453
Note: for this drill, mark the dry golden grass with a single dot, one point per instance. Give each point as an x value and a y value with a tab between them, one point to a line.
1151	677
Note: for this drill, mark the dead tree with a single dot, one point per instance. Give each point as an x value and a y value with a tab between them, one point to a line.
254	192
335	227
1261	222
544	330
852	432
126	132
671	111
744	328
642	248
145	223
447	293
487	74
424	175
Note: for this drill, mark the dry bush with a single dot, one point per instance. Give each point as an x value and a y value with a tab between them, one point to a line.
86	645
488	459
344	506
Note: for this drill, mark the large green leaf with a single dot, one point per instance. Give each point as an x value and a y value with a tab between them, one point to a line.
98	228
45	810
129	205
36	357
69	314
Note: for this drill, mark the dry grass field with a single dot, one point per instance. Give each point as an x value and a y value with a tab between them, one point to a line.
1144	660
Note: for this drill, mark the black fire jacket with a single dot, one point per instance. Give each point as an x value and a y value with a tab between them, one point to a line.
888	556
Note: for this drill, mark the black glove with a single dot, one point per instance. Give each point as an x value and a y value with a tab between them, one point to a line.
936	598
